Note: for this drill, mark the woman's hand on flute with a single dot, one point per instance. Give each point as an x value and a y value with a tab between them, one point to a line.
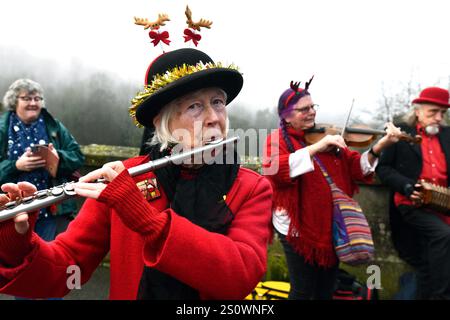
86	185
16	192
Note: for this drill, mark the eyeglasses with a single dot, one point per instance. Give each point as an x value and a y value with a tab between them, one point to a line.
28	99
307	109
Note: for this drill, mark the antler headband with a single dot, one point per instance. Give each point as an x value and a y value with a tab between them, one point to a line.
296	91
191	34
156	36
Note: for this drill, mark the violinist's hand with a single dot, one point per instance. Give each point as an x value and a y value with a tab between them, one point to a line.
392	136
16	192
327	143
392	133
85	188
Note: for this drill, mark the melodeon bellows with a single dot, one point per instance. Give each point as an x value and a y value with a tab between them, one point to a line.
436	197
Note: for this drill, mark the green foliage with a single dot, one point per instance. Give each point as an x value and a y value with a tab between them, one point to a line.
276	262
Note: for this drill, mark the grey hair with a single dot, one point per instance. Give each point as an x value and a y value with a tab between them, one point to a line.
11	96
410	117
162	133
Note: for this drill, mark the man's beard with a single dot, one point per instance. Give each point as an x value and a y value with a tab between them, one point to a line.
432	129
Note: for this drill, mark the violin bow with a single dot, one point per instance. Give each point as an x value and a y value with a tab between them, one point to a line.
348	118
345	124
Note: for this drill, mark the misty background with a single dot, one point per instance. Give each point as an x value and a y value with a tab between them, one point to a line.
93	103
91	58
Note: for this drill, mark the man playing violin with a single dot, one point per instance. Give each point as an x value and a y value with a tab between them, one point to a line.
421	235
302	215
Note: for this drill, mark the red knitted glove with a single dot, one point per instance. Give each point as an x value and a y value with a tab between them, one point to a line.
132	208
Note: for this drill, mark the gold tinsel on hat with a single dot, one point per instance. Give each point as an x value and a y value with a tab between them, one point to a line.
161	80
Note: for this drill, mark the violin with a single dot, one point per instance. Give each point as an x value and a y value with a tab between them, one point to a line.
359	136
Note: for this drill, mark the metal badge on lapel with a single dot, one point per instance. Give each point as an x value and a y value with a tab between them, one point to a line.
149	188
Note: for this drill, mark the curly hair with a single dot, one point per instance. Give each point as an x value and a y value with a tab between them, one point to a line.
18	86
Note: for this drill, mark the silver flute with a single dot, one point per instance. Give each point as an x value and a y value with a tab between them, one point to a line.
44	198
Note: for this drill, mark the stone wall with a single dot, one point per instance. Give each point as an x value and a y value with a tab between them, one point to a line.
372	198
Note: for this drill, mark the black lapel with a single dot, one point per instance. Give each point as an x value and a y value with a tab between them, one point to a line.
415	146
444	139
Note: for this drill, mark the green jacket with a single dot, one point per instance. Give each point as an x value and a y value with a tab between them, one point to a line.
70	156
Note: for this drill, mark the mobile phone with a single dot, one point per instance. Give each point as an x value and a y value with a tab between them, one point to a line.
36	148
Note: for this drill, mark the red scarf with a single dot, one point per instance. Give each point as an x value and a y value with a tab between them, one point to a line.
308	201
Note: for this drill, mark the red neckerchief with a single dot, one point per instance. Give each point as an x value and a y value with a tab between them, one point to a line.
297	134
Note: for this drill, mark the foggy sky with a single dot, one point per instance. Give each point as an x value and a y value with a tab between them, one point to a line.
352	47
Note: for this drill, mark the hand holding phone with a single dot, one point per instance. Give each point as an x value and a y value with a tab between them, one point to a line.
48	153
30	161
38	148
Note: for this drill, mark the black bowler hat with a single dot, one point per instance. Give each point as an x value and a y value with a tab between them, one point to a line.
179	72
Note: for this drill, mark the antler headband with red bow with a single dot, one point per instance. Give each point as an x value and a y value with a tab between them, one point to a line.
156	36
296	91
189	33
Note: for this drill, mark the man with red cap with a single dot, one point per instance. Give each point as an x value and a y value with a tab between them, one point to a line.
421	235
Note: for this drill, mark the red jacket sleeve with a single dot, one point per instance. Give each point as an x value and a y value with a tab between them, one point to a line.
44	271
276	161
218	266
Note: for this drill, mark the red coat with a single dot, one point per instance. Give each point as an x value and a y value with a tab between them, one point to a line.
307	198
218	266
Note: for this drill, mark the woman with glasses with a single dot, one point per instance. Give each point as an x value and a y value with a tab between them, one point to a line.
302	215
187	231
25	125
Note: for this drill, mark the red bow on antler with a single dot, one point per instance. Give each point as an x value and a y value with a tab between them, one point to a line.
190	35
157	37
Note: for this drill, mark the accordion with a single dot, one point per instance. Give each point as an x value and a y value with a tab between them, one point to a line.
435	197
